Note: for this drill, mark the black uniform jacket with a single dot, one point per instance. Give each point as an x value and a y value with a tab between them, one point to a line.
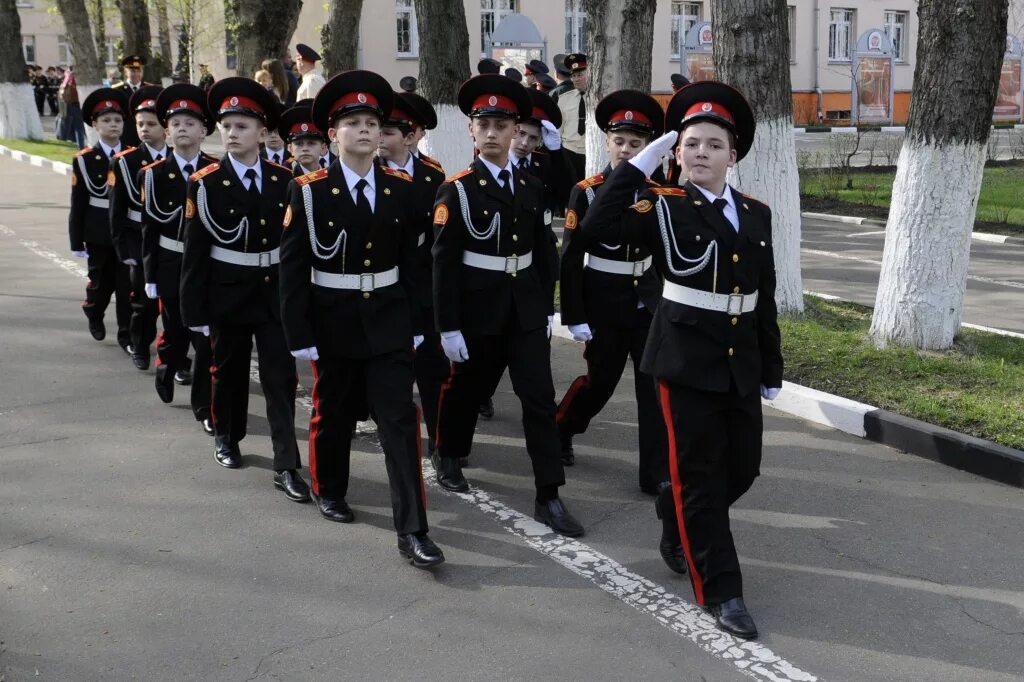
217	293
349	323
89	222
428	176
125	198
479	301
163	216
552	169
588	295
690	346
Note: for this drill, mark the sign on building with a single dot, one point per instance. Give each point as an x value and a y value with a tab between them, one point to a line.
1010	101
700	64
515	41
872	78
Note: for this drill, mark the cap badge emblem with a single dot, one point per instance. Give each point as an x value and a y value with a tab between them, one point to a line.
233	102
108	103
305	127
629	115
493	101
361	97
706	106
182	104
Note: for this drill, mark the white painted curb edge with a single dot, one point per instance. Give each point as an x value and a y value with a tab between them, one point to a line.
829	217
57	167
856	220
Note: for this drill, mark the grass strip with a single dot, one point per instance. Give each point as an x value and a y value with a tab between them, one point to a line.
54	150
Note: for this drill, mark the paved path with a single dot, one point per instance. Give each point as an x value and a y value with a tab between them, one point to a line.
127	553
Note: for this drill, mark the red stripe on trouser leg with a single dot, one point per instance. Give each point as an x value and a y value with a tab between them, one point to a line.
419	454
314	429
440	405
159	344
665	398
574	388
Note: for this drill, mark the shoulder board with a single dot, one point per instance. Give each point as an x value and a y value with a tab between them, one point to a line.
396	173
460	175
124	152
83	152
203	172
154	164
668	191
433	164
311	177
425	158
747	197
592	181
278	165
208	157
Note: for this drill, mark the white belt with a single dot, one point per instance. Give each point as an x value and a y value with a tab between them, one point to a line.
422	240
734	304
367	281
617	267
99	203
254	260
509	264
135	216
171	244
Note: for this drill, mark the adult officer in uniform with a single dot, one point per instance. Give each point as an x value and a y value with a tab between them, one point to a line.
564	81
183	110
714	344
574	116
608	291
348	278
229	278
132	67
494	296
312	80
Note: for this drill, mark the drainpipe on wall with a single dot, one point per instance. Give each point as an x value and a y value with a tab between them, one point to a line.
817	88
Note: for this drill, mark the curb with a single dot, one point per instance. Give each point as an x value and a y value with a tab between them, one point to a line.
58	167
856	220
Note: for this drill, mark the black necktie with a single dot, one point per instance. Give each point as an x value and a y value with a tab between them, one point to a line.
323	163
581	126
720	204
158	157
275	158
506	178
112	152
524	164
254	190
189	170
362	202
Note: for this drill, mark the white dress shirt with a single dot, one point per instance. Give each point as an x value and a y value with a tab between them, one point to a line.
496	169
153	153
730	209
109	151
407	168
240	169
351	178
184	162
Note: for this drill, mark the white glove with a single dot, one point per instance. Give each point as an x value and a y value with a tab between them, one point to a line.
550	136
204	330
417	341
769	393
80	254
581	332
130	261
650	156
454	346
551	324
151	290
306	354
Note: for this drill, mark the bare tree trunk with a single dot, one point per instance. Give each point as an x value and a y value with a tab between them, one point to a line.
620	43
751	53
18	116
99	29
163	32
444	67
265	29
136	37
88	64
938	176
340	36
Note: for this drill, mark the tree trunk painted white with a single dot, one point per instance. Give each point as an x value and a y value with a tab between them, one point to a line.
449	143
19	119
770	175
920	297
597	148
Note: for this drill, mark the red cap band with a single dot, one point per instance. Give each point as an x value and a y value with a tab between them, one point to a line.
241	102
180	105
110	104
539	114
304	129
146	104
712	108
356	98
403	116
495	102
630	116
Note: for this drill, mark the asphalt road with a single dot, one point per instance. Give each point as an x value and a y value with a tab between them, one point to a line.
127	553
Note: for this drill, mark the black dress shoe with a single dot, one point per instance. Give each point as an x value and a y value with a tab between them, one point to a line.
335	510
292	484
487	409
554	515
140	360
227	455
733	617
208	426
97	329
670	546
183	377
449	473
420	550
164	384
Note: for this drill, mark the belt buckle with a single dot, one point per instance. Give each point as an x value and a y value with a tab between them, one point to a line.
265	259
366	281
638	268
738	309
512	264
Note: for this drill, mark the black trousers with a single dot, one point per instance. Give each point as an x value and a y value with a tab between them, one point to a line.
577	164
432	369
714	446
142	326
527	355
108	277
343	388
232	350
172	354
606	356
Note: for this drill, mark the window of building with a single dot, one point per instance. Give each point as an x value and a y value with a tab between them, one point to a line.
575	27
840	35
684	16
491	14
792	34
28	46
63	51
896	29
407	36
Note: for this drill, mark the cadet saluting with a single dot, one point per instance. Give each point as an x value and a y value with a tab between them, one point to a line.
714	344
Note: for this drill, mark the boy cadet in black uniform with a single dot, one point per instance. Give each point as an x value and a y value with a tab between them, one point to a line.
494	295
608	292
163	184
126	216
229	279
714	345
306	142
347	288
537	149
397	142
106	110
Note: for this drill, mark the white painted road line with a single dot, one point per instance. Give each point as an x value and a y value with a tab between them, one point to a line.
866	234
681	617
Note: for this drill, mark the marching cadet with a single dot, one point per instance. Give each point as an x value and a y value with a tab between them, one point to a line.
532	68
348	278
229	278
608	292
397	140
537	149
274	149
106	110
494	296
714	344
183	111
306	142
131	71
126	216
